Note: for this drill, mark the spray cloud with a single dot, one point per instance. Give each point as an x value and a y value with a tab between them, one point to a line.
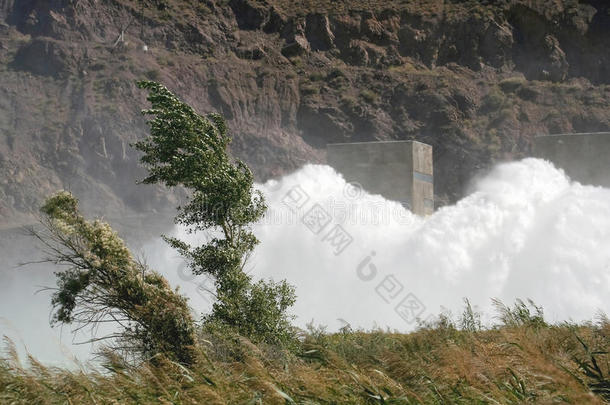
526	231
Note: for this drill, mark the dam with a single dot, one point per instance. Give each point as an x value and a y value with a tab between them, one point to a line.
397	170
585	157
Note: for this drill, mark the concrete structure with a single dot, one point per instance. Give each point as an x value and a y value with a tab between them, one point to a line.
584	157
398	170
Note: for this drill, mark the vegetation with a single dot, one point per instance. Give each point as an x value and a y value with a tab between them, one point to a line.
523	361
189	150
102	283
246	350
369	96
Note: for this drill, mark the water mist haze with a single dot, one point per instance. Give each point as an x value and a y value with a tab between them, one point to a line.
525	231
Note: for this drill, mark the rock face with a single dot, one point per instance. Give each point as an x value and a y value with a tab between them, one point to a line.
475	81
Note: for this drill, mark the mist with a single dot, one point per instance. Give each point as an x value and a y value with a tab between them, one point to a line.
525	231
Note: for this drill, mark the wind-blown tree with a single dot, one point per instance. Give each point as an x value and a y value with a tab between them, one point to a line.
190	150
103	283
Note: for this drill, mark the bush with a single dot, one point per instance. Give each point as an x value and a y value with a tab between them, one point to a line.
511	85
369	96
316	77
494	100
349	102
308	89
528	93
259	313
103	283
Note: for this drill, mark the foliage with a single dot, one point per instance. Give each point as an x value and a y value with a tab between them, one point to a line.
493	101
103	283
470	319
521	314
433	365
593	362
258	313
369	96
190	150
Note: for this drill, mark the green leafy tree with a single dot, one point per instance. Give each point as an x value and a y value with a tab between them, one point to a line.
190	150
102	283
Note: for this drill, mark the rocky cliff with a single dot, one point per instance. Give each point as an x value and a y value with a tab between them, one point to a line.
476	79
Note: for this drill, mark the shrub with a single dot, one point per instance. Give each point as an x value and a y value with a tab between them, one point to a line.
528	93
511	84
103	283
369	96
316	77
258	313
335	73
493	100
309	89
349	102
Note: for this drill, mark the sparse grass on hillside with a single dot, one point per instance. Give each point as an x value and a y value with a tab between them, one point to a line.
301	7
523	361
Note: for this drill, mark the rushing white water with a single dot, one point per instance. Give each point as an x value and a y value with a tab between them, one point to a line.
526	231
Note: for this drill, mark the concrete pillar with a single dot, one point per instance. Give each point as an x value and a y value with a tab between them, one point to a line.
398	170
584	157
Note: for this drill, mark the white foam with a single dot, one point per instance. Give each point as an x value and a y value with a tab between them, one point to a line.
526	231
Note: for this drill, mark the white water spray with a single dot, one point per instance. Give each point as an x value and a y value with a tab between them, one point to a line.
526	231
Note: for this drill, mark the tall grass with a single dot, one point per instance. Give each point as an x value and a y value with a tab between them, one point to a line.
522	360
